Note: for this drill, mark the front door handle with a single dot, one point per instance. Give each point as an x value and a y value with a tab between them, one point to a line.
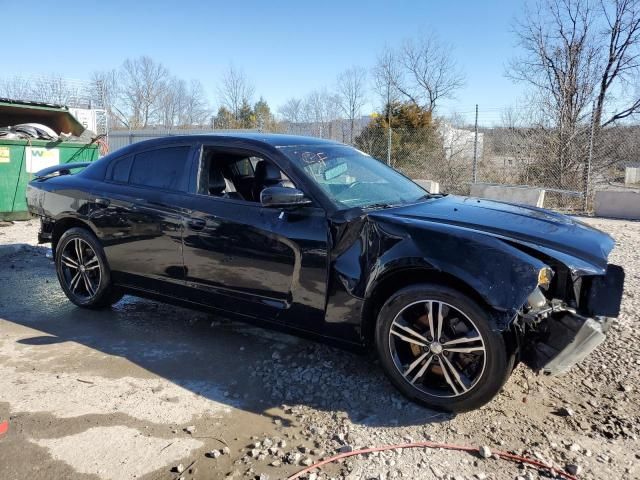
196	224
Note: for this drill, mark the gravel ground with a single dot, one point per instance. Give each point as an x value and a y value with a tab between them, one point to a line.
144	388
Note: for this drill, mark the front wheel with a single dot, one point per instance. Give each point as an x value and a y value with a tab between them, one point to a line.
82	270
437	347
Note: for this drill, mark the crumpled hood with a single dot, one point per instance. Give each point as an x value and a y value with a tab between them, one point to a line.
570	241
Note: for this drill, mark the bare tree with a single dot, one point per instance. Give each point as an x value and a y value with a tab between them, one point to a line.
15	88
559	58
620	64
320	109
235	90
130	92
196	109
184	106
106	83
142	85
55	89
171	107
579	53
291	111
430	72
351	90
47	88
387	76
559	62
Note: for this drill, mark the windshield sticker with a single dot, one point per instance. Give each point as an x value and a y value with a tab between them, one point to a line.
333	172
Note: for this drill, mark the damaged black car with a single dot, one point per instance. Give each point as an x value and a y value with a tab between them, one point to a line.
317	238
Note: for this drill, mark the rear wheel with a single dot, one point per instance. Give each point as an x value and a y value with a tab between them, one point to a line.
437	346
82	270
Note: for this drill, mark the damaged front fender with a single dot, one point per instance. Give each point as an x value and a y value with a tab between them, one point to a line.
369	249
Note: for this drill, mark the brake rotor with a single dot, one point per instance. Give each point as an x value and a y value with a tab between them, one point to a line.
418	350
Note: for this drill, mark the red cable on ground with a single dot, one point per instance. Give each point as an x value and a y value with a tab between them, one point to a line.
446	446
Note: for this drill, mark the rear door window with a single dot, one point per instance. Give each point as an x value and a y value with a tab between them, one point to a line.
162	168
119	169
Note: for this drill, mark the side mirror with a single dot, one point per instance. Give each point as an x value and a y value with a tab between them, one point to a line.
275	197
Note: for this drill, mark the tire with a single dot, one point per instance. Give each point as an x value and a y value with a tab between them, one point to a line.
436	373
83	271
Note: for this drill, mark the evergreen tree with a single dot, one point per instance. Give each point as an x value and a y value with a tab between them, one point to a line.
414	135
246	116
224	119
264	118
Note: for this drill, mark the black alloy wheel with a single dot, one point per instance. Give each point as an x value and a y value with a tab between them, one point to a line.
437	346
82	270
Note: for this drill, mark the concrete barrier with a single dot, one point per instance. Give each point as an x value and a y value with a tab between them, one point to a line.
618	204
512	194
631	175
430	185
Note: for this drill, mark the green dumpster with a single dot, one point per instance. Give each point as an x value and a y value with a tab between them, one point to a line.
21	158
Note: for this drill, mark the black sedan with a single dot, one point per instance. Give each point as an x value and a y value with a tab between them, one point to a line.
318	238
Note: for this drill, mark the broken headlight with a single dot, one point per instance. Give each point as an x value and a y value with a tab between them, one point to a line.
545	275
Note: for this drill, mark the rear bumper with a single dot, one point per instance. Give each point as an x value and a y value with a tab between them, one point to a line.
44	237
590	333
45	232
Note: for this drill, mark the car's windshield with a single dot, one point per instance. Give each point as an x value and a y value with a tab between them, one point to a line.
352	178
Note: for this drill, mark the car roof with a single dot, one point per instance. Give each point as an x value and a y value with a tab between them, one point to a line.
230	139
270	139
274	139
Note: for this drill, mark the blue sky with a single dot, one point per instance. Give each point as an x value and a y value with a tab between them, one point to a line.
287	48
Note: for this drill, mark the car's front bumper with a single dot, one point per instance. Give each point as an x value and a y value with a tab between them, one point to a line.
603	295
571	336
590	334
564	336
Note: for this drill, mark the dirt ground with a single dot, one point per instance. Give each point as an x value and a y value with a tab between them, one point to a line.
143	388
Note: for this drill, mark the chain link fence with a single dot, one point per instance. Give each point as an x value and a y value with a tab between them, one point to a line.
570	165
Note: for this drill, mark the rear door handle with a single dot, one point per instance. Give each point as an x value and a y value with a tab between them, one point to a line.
196	224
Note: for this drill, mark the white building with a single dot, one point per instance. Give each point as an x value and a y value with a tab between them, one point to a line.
459	143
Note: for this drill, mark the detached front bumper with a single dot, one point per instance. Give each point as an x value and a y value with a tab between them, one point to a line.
571	336
581	342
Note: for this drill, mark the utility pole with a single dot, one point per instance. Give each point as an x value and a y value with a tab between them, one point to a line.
475	149
389	139
587	170
389	147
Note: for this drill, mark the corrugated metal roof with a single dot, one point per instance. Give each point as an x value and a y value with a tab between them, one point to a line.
26	103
